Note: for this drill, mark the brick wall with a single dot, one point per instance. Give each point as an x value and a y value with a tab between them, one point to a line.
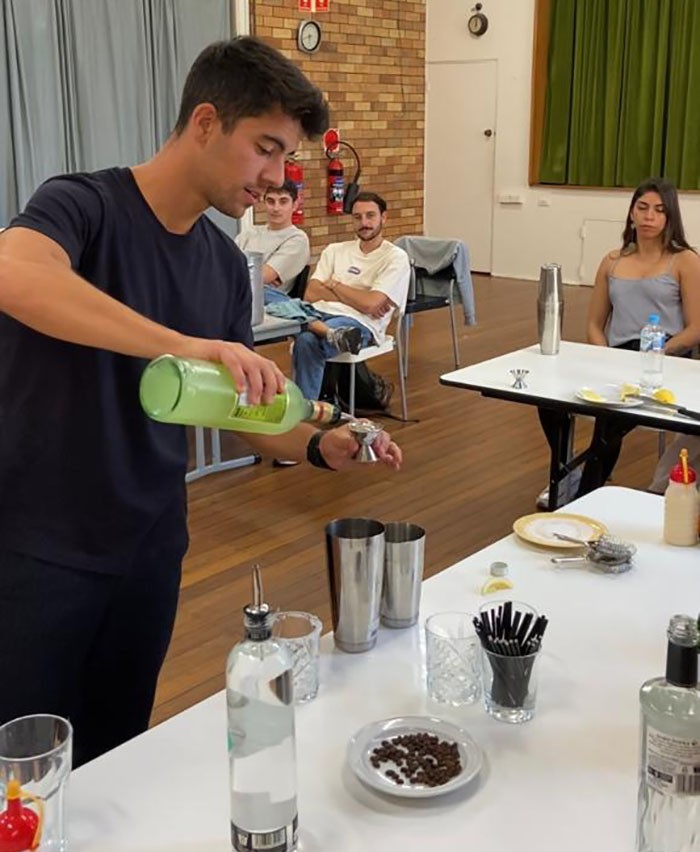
371	67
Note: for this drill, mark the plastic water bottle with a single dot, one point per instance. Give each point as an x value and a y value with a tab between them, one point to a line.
651	345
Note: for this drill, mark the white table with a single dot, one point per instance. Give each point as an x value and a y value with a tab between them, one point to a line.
564	781
269	330
553	379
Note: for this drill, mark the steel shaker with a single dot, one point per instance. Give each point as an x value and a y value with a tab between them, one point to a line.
255	265
404	546
355	564
550	308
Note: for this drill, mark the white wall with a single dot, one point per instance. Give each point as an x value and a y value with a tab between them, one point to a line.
527	235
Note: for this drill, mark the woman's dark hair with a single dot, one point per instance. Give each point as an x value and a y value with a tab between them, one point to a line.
674	234
243	78
371	196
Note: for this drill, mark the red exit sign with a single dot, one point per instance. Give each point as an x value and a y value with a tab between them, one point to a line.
313	5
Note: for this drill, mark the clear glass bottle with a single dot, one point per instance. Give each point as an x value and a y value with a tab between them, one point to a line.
668	815
262	753
201	393
651	345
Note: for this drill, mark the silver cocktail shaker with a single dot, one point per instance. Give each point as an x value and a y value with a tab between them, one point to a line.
550	308
255	265
404	551
355	562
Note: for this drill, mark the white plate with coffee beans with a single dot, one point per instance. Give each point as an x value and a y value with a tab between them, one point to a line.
414	756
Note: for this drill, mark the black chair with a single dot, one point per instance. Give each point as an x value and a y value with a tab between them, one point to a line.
299	286
419	301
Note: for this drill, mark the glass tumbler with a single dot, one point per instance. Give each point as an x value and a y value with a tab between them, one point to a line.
509	682
452	658
36	751
300	633
510	686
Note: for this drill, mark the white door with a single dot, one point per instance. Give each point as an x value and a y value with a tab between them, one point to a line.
460	131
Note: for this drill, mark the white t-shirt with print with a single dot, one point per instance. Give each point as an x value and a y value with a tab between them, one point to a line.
286	250
385	269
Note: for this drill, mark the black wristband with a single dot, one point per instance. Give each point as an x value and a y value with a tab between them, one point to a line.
313	451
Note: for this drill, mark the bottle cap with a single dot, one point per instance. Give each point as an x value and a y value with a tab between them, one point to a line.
498	569
654	319
677	474
683	472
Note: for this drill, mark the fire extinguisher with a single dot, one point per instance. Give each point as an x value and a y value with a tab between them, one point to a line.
294	172
336	187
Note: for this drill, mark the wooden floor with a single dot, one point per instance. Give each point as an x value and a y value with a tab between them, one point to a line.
472	466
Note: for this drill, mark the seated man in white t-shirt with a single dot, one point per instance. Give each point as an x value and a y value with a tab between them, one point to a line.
284	247
353	292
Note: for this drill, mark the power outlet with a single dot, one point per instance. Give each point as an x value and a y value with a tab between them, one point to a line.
510	198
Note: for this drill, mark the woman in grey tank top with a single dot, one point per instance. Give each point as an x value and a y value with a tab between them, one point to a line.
655	271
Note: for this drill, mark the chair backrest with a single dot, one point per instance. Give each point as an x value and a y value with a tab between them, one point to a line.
424	253
299	286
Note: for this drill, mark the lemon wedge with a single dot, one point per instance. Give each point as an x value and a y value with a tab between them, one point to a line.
495	584
664	395
591	395
628	389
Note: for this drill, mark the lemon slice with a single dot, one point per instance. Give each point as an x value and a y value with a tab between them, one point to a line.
664	395
628	389
591	395
495	584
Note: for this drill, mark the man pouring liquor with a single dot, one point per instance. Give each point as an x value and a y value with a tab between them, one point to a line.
98	274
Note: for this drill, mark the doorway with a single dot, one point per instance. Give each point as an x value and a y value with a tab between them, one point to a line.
460	133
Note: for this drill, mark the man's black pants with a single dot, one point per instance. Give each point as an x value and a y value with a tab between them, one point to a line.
85	645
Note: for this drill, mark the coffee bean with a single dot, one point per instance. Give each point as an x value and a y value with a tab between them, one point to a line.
421	758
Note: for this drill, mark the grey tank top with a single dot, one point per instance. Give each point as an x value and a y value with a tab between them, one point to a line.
633	299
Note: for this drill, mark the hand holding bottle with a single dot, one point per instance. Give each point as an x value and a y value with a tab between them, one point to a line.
258	376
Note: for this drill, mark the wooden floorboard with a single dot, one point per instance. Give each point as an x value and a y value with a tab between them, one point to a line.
472	466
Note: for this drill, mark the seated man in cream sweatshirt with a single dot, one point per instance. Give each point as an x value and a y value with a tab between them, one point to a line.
351	295
284	247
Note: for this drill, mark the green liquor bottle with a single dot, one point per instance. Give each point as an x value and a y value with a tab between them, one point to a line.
201	393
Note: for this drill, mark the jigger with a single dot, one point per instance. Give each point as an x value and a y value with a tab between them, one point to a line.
365	431
519	376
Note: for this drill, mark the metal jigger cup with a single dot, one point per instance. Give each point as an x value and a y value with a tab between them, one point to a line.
365	432
519	376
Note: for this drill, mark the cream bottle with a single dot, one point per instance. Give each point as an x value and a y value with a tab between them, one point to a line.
681	505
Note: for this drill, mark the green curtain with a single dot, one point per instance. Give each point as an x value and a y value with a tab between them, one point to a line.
623	89
560	65
682	154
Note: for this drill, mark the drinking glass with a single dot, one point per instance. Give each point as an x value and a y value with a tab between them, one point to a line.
510	686
509	682
452	663
300	633
36	751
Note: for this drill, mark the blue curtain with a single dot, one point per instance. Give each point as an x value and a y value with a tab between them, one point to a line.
85	84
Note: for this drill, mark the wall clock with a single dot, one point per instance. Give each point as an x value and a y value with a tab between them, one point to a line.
478	23
309	36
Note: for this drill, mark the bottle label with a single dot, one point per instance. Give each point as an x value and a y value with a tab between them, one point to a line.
282	840
272	413
673	763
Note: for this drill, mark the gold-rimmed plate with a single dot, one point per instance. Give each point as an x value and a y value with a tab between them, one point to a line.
541	527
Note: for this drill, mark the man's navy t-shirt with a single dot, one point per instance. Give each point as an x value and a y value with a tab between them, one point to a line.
84	474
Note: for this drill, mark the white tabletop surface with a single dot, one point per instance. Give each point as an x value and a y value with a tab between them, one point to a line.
556	378
563	782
